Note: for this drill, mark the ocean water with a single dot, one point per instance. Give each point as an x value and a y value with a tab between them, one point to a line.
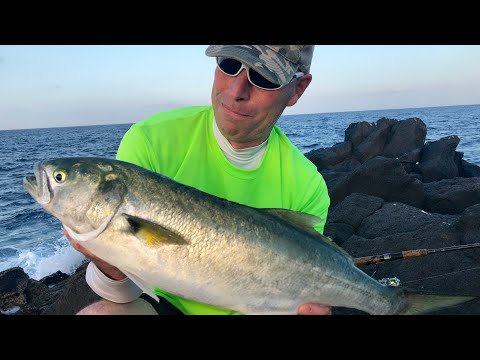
33	239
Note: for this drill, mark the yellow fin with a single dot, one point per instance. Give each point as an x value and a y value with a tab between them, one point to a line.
301	220
423	303
153	234
307	223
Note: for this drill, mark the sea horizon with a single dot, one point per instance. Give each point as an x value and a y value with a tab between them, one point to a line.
300	114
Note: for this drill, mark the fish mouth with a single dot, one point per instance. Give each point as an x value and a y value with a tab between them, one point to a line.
37	185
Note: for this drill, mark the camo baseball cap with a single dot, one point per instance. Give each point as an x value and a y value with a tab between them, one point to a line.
277	63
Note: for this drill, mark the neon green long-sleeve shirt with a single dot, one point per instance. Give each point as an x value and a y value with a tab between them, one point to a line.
181	145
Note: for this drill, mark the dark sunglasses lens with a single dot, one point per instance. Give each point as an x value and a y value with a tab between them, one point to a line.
229	66
260	81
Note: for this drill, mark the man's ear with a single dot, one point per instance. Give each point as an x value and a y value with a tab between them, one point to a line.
300	87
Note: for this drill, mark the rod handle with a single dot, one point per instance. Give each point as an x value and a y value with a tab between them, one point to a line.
374	259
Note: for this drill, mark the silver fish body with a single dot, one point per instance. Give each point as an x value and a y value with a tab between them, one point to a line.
168	235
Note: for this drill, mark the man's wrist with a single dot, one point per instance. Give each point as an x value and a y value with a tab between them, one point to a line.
118	291
109	271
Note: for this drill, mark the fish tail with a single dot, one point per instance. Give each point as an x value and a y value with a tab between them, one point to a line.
417	303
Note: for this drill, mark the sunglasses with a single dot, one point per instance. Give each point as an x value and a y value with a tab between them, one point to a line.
232	67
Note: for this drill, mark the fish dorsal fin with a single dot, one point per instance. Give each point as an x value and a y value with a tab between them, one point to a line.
299	219
306	222
141	284
152	233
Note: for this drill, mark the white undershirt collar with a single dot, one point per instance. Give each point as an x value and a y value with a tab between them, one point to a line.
247	159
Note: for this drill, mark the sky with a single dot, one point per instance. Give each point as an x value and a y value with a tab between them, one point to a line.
72	85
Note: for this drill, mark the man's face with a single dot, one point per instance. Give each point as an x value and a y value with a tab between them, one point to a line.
246	114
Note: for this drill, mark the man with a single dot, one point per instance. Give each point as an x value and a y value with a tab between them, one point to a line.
231	149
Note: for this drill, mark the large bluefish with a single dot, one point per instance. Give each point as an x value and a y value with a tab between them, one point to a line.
168	235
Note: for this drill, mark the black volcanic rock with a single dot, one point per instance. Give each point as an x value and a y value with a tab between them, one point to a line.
390	192
452	196
382	177
406	136
438	159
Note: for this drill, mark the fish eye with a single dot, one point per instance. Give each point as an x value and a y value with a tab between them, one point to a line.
59	176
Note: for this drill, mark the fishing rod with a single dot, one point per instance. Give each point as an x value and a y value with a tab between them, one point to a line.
374	259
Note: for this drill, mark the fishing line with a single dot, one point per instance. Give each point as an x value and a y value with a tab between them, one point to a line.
435	276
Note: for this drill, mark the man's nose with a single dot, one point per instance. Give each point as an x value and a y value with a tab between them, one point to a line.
239	86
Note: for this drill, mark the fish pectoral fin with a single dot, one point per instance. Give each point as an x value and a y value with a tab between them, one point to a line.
141	284
152	233
301	220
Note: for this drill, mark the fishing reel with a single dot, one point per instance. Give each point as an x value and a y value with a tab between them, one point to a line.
390	281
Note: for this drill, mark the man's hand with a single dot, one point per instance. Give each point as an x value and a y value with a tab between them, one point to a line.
314	309
111	271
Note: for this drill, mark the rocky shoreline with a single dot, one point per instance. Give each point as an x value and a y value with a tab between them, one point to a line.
390	190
